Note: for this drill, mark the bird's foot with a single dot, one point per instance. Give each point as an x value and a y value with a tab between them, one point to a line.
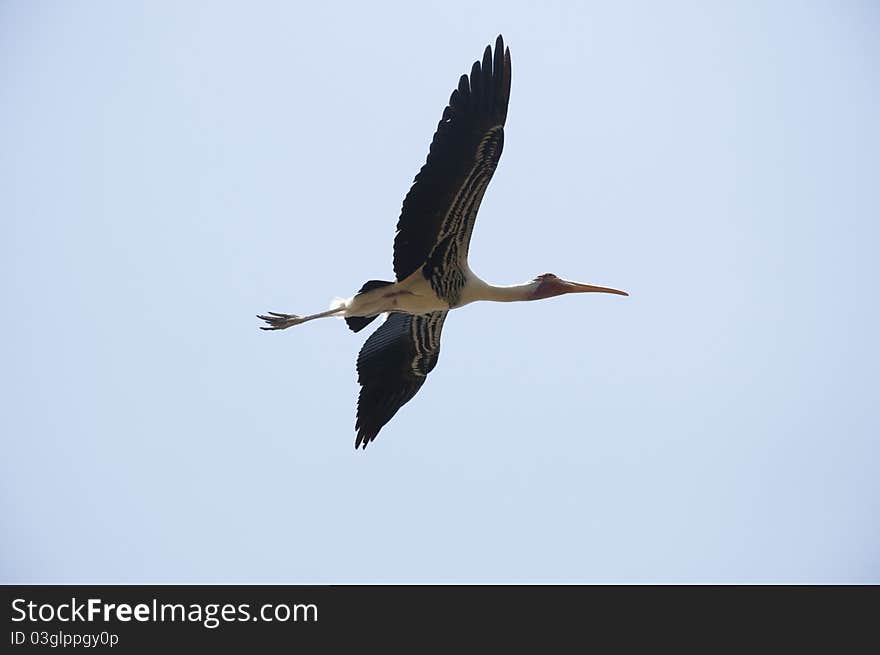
279	321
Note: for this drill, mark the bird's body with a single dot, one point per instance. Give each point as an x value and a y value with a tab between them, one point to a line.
412	295
415	295
431	252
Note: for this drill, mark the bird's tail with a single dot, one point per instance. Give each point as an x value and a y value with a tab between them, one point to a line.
358	323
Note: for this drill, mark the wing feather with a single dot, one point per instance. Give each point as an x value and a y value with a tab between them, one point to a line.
392	367
447	191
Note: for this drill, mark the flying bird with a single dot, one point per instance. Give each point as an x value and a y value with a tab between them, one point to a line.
431	252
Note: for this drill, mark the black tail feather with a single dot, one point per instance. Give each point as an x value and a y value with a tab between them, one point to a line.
358	323
369	285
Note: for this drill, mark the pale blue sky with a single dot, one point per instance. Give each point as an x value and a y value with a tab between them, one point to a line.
171	169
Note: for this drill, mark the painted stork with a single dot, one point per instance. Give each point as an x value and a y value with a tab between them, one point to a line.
431	252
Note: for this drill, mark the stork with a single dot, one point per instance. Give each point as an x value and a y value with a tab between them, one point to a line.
431	252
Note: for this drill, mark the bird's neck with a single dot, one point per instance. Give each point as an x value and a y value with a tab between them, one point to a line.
484	291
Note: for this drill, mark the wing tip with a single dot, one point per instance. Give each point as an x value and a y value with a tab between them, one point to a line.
499	76
364	437
476	77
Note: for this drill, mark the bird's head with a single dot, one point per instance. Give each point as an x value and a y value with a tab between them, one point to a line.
549	285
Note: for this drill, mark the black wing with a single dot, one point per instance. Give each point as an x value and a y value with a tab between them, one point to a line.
392	367
439	211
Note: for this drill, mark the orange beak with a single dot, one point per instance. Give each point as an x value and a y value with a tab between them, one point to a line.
577	287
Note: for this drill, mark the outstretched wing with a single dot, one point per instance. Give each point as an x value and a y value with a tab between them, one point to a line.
392	367
438	213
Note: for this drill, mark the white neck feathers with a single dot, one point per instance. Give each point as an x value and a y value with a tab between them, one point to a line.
479	290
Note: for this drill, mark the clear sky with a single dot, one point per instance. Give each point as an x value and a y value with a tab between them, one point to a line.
170	169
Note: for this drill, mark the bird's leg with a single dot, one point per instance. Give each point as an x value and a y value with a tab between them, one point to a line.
278	321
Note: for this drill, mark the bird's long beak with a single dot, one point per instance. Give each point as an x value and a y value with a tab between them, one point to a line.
578	287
